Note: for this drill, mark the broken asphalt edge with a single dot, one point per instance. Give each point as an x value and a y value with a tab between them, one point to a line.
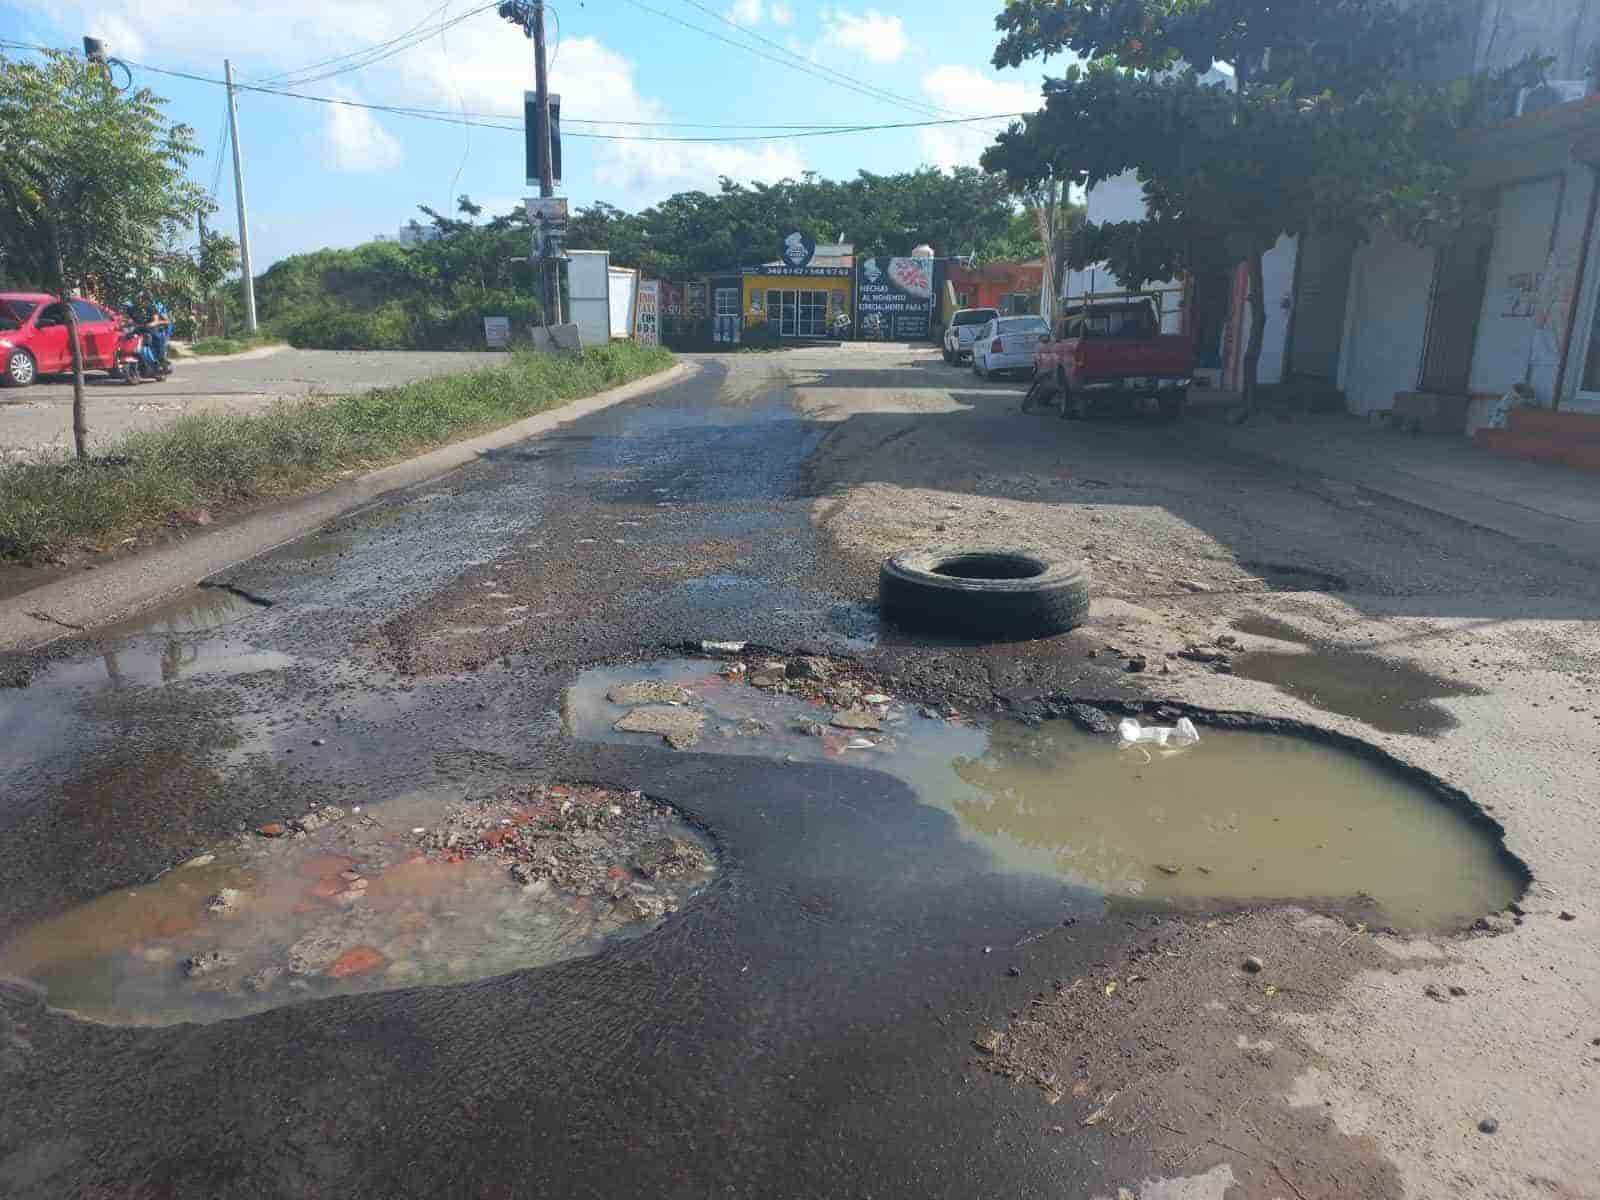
123	589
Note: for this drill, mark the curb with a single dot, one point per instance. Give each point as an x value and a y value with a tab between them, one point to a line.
142	580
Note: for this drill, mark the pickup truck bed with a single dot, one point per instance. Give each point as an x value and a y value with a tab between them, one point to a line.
1114	353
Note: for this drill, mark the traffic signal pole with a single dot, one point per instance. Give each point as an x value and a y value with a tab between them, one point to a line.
547	185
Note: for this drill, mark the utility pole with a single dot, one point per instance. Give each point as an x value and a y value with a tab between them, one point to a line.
205	288
238	191
529	16
541	84
547	185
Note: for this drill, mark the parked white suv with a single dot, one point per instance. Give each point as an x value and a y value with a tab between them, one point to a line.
965	323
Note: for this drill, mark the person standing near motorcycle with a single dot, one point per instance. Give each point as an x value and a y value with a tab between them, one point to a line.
151	318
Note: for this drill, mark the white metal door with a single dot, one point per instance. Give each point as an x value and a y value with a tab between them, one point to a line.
589	294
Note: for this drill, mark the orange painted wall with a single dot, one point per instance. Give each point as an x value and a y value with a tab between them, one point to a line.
987	283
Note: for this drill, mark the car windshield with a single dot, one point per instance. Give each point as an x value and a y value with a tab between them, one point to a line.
1023	325
977	316
14	312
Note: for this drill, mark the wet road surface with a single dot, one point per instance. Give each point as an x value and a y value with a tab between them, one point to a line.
804	1028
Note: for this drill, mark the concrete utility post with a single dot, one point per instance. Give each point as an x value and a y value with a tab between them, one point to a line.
547	185
238	191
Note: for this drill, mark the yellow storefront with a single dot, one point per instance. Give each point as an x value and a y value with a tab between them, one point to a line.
798	302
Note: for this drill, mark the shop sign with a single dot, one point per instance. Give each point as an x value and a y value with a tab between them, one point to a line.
797	249
894	298
806	272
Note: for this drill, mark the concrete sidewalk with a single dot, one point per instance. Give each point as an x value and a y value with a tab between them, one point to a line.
1544	505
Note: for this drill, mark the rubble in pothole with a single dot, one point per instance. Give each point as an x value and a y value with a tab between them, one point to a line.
337	901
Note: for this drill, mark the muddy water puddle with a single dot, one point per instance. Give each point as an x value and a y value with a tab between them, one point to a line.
360	902
1238	817
1386	695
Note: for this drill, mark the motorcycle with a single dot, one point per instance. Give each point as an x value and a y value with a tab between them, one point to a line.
135	358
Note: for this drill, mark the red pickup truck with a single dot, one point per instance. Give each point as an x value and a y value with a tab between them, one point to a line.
1113	353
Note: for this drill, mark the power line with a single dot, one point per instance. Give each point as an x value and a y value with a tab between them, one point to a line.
849	80
222	141
415	35
444	117
827	75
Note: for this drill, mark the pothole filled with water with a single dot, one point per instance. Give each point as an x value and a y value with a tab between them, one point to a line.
1238	817
337	902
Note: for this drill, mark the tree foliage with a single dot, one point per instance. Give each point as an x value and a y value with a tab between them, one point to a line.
93	186
435	291
93	183
1334	121
383	295
964	211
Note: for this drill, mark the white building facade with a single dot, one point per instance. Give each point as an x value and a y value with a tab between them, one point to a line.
1515	305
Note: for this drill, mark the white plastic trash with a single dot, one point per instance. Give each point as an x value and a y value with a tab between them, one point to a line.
1182	734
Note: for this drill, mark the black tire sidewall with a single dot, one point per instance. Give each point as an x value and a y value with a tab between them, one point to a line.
912	596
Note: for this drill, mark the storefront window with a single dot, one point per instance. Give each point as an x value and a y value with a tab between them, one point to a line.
797	313
813	314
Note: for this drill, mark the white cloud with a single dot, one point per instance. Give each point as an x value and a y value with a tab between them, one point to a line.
746	12
781	13
599	83
352	139
481	65
877	38
969	91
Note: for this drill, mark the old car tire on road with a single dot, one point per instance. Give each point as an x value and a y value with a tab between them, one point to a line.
983	592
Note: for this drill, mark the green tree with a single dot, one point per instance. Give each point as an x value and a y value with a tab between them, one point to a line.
1333	123
963	211
92	184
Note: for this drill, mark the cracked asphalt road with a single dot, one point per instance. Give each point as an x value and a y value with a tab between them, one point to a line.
806	1028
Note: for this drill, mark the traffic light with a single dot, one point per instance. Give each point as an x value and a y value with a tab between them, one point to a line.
535	144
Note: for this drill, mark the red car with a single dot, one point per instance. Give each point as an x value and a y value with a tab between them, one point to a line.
33	337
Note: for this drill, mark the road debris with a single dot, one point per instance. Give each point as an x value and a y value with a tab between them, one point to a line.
680	727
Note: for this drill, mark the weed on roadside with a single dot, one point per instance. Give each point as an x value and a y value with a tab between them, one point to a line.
212	460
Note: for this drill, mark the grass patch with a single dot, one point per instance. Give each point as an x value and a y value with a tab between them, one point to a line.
212	460
206	347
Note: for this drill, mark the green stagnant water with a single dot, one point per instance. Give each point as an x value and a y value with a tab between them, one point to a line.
1239	817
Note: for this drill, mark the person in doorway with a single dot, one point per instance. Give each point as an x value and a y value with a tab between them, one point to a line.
151	317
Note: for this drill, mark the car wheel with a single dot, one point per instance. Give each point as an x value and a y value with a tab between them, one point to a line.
979	592
1172	405
21	370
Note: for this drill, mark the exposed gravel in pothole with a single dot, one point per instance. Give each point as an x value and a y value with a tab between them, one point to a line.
337	901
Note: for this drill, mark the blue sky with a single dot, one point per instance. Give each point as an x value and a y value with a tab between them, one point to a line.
320	175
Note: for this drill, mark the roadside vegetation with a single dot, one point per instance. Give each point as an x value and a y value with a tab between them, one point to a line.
433	292
212	346
213	461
